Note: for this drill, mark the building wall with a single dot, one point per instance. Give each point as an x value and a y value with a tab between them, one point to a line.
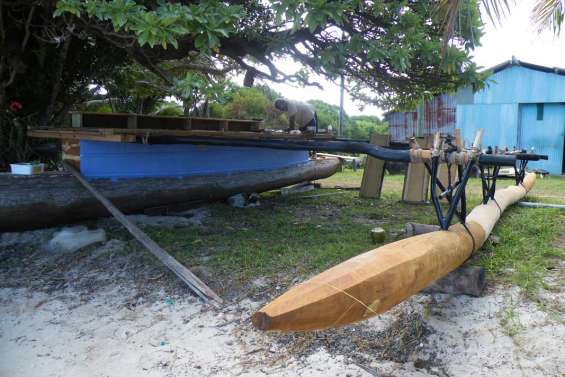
545	136
499	121
522	85
402	125
435	115
506	109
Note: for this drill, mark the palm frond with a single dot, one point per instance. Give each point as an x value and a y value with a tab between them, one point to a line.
549	14
496	10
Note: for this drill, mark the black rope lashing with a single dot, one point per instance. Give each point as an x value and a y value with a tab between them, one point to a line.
470	235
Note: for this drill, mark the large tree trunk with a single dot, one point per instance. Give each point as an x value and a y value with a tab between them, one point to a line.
60	199
57	77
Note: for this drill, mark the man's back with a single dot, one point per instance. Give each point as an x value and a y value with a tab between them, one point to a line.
303	112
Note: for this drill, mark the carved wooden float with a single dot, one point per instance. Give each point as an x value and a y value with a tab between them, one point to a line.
373	282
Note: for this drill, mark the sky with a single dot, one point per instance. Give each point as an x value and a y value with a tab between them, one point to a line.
514	36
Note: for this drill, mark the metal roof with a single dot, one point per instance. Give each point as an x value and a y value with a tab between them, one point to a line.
515	62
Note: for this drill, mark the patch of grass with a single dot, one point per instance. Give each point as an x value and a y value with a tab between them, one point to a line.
510	322
526	250
297	236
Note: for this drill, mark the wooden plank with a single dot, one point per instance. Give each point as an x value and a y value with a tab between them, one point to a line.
373	174
373	282
193	282
79	134
123	134
119	115
417	180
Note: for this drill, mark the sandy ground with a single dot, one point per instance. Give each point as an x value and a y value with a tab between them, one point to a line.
102	312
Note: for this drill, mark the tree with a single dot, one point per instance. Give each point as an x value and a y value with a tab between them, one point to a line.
250	103
389	51
45	69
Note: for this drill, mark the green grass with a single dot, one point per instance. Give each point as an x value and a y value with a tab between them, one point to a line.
297	236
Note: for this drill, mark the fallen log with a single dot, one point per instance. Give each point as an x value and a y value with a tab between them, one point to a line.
375	281
414	229
60	199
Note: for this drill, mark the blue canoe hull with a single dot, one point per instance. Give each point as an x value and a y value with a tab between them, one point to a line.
112	160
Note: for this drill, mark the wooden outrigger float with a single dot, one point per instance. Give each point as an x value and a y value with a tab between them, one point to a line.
373	282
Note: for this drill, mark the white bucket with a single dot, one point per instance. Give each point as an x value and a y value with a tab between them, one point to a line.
27	168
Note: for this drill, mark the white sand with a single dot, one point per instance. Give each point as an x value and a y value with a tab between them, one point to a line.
43	335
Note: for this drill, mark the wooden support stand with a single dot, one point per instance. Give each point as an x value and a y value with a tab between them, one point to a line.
374	172
417	180
465	280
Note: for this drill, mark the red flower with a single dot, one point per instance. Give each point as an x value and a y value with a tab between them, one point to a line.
15	106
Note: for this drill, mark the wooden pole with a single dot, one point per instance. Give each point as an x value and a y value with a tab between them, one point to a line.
193	282
373	282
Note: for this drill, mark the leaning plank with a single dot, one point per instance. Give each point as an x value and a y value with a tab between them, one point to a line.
373	282
195	284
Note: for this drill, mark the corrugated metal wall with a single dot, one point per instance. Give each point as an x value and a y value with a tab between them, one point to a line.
435	115
523	85
402	125
499	122
545	136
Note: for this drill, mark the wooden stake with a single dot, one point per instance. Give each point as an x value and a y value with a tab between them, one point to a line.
193	282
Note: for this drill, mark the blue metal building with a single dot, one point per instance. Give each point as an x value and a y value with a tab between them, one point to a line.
522	106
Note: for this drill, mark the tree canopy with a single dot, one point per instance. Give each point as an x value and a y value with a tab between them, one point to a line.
389	51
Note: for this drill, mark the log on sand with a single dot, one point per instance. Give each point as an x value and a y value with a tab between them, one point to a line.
59	199
373	282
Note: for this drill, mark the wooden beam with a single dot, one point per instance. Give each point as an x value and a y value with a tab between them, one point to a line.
373	174
129	135
193	282
375	281
79	134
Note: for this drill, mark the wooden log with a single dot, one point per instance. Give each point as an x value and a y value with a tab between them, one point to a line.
414	229
193	282
60	199
375	281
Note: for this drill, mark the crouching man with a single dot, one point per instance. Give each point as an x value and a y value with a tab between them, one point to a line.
300	114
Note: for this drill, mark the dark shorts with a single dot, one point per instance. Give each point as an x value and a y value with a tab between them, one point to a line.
312	124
